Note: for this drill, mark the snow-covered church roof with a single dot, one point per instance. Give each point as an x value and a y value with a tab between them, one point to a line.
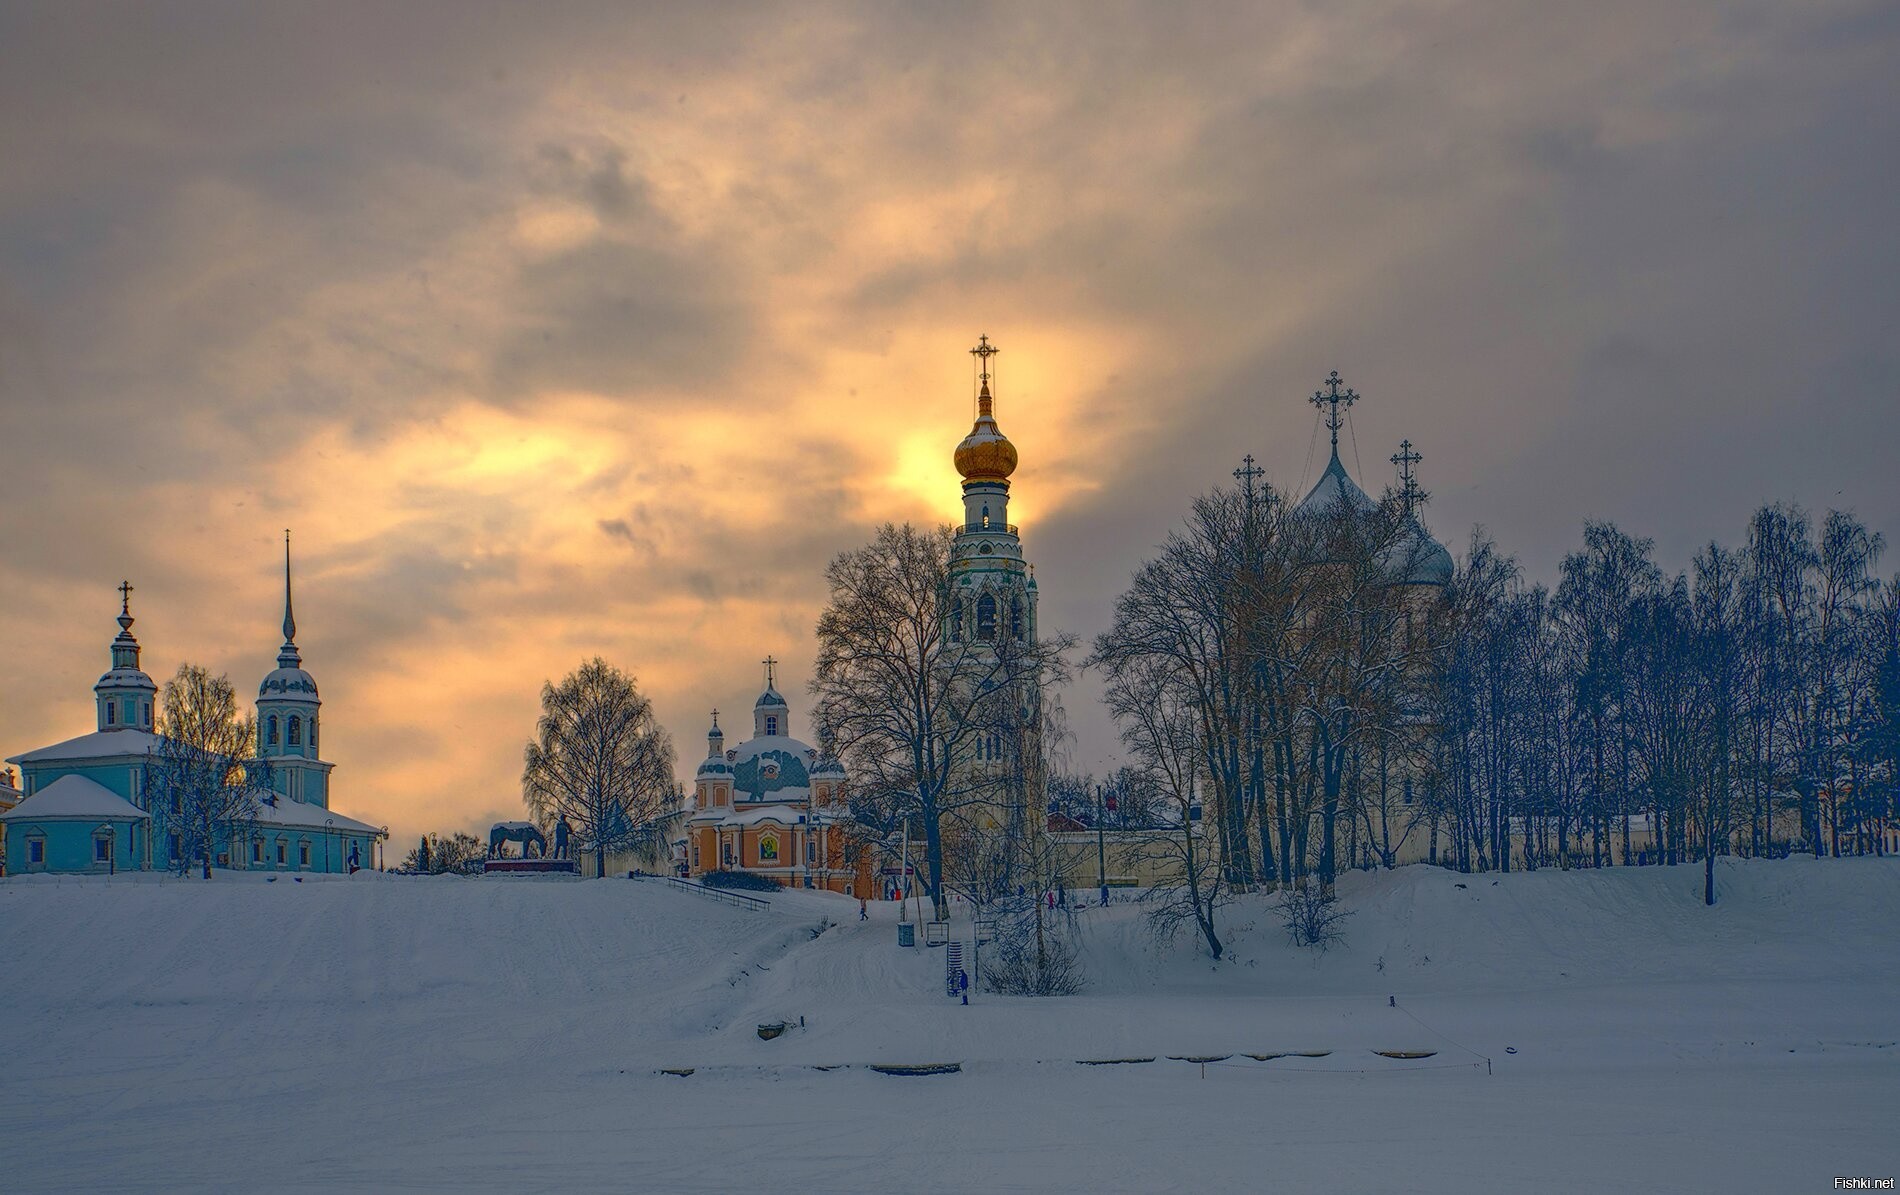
100	744
1333	487
73	797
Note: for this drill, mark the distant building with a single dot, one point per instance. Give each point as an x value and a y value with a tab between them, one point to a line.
773	806
84	809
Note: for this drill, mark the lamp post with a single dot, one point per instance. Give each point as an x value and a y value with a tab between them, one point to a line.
112	849
329	832
1101	847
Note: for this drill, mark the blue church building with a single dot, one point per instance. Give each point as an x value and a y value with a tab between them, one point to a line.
84	808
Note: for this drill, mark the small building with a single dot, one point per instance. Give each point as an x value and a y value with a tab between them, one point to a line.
773	806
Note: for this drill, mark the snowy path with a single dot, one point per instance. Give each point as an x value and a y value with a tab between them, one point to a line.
391	1034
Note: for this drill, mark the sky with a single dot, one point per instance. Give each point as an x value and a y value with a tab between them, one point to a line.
563	330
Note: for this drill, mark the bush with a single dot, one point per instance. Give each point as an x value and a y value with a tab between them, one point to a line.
1313	917
739	879
1020	963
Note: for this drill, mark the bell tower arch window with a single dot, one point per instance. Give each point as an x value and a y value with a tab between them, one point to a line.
296	731
986	617
270	731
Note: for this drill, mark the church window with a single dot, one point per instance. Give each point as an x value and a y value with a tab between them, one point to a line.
313	732
36	851
257	851
986	518
112	712
956	620
303	854
283	849
1015	618
768	848
270	730
101	849
726	852
148	713
986	618
296	731
811	851
771	724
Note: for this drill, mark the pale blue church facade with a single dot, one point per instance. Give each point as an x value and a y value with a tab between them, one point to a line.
85	811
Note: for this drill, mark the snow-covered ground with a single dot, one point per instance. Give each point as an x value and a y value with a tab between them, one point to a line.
387	1033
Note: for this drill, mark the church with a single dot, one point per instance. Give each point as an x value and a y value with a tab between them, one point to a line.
773	806
84	807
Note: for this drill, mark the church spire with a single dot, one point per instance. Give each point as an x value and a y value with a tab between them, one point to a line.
288	656
125	648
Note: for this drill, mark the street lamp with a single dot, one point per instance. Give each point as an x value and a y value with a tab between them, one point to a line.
112	849
329	832
1101	848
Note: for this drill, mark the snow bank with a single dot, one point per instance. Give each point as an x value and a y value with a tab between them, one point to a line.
418	1033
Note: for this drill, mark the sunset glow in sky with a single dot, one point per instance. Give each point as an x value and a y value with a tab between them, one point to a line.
563	330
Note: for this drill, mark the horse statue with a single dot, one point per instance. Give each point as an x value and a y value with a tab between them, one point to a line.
525	833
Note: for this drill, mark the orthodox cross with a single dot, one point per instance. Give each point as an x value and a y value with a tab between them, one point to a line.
983	351
1405	458
768	662
125	597
1334	397
715	718
1246	475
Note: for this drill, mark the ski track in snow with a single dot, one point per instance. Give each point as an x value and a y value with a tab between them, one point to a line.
405	1034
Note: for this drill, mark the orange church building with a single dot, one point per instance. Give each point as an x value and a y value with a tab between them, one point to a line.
775	807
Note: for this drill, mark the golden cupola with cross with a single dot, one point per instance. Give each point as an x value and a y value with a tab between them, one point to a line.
985	455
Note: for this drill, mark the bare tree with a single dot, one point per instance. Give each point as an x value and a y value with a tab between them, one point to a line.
460	853
1160	727
602	761
201	778
912	707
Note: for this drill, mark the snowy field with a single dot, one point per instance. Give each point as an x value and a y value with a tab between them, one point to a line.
387	1033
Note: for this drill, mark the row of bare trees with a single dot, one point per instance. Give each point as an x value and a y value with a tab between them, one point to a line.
1748	705
1263	668
1289	673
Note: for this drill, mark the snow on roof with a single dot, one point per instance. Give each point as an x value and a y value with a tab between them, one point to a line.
74	797
1333	487
100	744
303	815
785	815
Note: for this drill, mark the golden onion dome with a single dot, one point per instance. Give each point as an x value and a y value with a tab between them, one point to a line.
986	453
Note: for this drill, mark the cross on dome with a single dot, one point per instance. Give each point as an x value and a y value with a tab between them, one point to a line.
1335	398
983	351
1247	475
125	598
1405	458
769	662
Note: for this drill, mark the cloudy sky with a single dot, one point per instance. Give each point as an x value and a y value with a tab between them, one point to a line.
555	330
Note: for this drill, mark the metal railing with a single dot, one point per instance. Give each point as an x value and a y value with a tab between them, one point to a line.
737	900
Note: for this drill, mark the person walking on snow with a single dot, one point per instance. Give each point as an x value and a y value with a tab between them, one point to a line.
863	911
